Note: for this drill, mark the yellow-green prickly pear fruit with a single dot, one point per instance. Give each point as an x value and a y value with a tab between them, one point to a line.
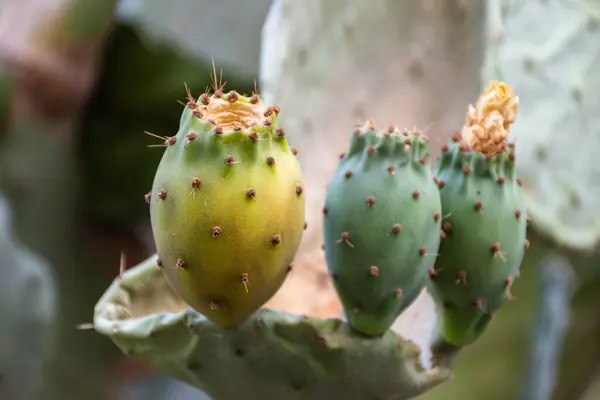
227	206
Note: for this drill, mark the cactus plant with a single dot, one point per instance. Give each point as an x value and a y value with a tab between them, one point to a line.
227	205
306	42
146	310
159	333
484	218
272	355
382	220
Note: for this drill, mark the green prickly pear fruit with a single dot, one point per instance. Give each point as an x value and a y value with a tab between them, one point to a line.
484	222
227	206
381	226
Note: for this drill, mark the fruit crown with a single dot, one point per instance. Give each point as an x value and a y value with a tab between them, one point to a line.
229	110
488	123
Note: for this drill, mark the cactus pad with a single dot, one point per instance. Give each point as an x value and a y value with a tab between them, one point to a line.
272	355
227	206
540	51
484	223
381	225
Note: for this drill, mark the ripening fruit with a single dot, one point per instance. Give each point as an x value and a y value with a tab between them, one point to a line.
227	206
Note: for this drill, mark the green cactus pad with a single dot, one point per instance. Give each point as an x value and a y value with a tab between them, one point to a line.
381	226
560	93
484	237
273	355
227	206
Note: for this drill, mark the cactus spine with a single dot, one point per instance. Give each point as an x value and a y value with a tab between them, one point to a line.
382	220
484	223
227	206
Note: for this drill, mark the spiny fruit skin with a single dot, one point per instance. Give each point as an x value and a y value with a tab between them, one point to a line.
484	229
382	226
227	206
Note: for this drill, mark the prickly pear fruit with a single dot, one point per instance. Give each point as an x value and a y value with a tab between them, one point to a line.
381	225
484	222
227	206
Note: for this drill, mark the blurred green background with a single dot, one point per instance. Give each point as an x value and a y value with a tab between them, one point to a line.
79	84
